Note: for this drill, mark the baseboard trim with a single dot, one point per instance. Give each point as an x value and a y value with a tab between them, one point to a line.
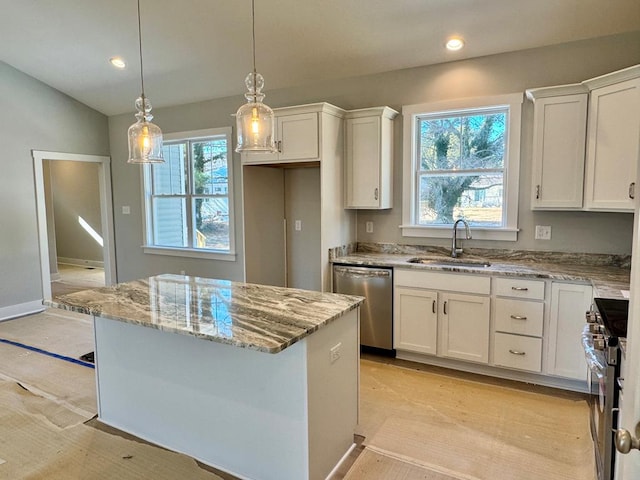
56	277
80	262
21	309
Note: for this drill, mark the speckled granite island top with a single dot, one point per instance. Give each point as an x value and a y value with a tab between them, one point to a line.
609	274
257	317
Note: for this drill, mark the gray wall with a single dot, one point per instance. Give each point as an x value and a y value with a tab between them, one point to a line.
33	116
491	75
76	194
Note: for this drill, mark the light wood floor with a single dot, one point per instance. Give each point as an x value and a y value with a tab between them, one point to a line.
74	278
416	421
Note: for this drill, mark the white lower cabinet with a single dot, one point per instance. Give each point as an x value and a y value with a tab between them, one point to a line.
464	328
517	351
565	357
518	328
444	323
416	329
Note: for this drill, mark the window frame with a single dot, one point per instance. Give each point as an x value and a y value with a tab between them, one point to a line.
211	254
513	102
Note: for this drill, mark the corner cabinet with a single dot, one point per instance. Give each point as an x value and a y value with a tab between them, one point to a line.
559	132
613	141
368	158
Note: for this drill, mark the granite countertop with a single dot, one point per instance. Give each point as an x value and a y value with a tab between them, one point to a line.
608	280
258	317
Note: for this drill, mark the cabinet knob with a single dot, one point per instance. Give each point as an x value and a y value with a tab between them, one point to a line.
632	190
375	194
625	442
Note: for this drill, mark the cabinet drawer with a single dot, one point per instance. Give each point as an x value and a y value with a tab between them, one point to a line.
514	351
443	281
513	287
519	316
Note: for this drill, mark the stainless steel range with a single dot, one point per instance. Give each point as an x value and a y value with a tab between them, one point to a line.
606	324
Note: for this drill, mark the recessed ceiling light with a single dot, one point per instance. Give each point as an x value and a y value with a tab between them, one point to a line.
117	62
455	43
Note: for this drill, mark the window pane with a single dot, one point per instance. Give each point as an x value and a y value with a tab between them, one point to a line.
210	169
211	219
476	198
462	142
170	222
169	178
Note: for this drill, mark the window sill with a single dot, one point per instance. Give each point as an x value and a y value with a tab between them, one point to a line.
504	234
189	252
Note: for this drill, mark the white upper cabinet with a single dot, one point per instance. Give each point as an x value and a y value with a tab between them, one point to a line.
297	135
559	130
369	158
613	140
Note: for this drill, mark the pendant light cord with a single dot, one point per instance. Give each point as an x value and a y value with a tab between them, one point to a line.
253	34
140	51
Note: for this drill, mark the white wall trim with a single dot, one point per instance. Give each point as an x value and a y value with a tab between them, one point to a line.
106	212
21	309
81	262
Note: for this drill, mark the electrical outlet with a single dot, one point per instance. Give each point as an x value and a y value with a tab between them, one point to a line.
369	227
334	353
543	232
298	225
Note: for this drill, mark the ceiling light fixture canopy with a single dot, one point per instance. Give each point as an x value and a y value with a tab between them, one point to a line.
117	62
254	119
145	138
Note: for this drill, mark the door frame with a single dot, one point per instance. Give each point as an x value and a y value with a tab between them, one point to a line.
106	213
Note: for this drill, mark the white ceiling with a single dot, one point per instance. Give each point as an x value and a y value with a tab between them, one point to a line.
201	49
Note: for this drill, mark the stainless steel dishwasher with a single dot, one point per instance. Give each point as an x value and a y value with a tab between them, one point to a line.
376	314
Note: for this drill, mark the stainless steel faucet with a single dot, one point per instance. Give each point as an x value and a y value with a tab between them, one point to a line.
455	250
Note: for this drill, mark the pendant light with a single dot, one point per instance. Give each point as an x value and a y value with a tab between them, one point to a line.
145	138
254	119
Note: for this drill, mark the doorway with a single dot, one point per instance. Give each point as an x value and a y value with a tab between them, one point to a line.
100	228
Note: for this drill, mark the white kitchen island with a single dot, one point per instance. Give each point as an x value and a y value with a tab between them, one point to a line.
257	381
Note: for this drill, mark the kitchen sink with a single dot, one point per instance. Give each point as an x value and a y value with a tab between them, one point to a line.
451	262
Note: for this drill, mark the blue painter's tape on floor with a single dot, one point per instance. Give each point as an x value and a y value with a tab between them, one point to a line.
44	352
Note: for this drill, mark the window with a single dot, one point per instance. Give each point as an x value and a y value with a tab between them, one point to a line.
462	161
188	199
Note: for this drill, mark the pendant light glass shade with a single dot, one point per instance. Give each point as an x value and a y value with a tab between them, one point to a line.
145	138
254	119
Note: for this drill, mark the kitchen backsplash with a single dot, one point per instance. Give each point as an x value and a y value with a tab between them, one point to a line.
595	259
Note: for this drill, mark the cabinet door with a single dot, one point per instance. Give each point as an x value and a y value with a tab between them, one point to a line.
297	140
558	152
565	356
612	152
298	137
363	162
415	320
464	327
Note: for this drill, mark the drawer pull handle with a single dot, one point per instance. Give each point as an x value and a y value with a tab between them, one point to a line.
444	310
520	289
518	317
517	352
433	307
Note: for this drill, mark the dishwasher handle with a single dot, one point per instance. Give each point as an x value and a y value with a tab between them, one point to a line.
361	272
